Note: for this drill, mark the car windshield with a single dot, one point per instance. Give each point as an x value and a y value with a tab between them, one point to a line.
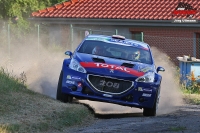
111	50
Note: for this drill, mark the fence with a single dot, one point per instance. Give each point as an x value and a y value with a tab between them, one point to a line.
67	37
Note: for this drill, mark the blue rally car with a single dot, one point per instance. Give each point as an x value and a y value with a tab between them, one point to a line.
111	69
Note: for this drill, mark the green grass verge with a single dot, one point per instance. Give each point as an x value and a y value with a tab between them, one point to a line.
22	110
192	98
191	95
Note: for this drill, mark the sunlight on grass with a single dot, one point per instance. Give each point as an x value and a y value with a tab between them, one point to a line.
192	98
22	110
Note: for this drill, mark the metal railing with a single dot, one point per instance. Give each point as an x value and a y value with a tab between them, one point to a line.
69	37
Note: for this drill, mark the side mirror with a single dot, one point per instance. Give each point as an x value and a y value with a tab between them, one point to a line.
69	53
160	69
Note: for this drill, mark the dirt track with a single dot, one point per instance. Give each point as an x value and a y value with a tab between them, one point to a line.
185	120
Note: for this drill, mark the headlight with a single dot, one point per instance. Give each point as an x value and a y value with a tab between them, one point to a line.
76	66
147	78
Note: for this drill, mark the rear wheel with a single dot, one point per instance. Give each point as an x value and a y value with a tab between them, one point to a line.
62	96
152	111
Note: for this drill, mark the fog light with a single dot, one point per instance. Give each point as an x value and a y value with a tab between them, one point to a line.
74	88
141	99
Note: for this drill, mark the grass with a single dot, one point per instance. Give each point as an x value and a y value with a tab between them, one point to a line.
192	98
191	94
22	110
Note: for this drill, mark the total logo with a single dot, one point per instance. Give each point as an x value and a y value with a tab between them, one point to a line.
112	68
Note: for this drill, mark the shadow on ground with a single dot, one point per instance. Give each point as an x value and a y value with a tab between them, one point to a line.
105	114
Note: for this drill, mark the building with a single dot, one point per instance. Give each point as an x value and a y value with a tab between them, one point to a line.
170	25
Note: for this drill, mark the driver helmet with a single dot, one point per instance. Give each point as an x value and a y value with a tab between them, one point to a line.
97	50
136	55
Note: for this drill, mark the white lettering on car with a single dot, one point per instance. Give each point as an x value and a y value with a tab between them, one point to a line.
109	84
97	64
125	69
114	67
102	83
146	95
70	82
119	68
104	65
107	95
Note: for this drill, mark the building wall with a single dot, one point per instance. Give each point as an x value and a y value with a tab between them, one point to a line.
173	41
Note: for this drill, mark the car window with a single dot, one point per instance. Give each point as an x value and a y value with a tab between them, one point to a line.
116	51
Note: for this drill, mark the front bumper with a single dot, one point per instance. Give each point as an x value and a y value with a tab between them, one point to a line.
140	95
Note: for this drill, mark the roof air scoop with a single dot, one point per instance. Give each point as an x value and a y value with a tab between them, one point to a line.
98	60
118	37
129	65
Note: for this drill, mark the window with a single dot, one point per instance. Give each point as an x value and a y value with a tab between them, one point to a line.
137	35
111	50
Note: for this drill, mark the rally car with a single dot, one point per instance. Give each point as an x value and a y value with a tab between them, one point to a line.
111	69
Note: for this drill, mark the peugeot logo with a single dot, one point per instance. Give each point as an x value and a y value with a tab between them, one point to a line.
111	71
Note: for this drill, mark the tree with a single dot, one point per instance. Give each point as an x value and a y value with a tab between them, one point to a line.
20	10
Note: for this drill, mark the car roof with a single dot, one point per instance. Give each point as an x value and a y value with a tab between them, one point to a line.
127	42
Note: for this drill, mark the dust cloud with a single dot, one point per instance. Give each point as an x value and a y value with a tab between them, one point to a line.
42	67
170	96
41	64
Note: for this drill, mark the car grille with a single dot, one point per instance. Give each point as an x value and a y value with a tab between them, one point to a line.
108	84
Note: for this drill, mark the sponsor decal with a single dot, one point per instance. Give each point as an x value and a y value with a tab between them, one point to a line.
129	43
123	42
114	67
70	82
140	89
69	77
109	84
97	38
146	95
144	89
79	84
119	42
73	77
76	77
107	95
147	90
146	69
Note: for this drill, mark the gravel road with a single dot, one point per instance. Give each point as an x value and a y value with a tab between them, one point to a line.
186	119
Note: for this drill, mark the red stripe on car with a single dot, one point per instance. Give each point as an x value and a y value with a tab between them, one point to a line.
111	66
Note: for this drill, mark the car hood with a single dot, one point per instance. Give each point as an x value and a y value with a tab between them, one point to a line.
106	66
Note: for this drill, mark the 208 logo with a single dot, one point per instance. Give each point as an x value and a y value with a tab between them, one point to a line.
109	84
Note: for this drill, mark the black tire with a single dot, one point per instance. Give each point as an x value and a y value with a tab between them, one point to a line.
152	111
62	96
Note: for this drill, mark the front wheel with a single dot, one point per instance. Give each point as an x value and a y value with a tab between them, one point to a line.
62	96
152	111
